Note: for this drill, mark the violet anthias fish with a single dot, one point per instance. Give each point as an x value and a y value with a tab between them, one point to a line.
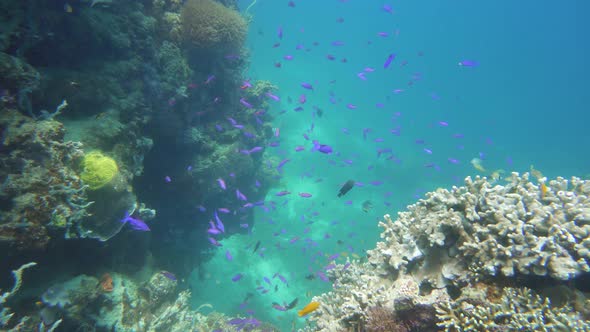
282	163
245	103
237	277
302	99
273	97
214	242
221	183
136	224
255	149
307	86
241	196
213	231
389	59
218	222
323	148
468	63
305	195
283	193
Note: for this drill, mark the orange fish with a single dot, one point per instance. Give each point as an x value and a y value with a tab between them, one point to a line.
312	306
543	189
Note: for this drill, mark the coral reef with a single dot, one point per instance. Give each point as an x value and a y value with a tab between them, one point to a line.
209	25
483	229
516	310
5	314
468	253
129	306
39	186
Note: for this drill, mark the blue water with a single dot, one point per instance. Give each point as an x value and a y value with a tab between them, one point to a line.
524	104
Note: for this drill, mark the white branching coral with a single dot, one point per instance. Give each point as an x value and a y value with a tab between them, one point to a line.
5	313
516	310
486	229
454	238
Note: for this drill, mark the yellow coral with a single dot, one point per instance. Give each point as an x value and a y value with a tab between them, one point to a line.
98	169
208	24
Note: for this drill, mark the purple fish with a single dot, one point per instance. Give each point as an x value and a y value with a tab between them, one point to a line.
210	79
245	103
213	231
468	63
305	195
299	148
389	60
168	275
280	32
288	57
307	86
323	148
283	193
255	149
228	255
136	224
167	179
214	242
387	9
237	277
241	196
282	163
323	276
221	183
223	210
218	222
273	97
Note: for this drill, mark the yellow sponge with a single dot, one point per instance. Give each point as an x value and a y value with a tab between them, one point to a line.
98	169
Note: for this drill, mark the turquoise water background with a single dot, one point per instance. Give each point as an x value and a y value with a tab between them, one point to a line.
524	104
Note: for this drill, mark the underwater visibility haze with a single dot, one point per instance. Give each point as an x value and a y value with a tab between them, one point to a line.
271	165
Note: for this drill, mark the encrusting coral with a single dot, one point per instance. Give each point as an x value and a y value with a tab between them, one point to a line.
207	24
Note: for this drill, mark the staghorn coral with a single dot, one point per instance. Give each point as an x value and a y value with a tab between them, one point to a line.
209	25
516	310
